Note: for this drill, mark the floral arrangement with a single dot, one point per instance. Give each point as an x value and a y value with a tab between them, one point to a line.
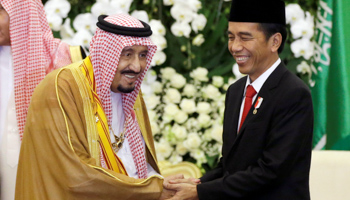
192	68
186	116
301	26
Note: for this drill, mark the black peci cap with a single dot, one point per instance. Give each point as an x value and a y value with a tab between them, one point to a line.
259	11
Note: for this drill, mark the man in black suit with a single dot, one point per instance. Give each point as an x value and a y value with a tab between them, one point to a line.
268	120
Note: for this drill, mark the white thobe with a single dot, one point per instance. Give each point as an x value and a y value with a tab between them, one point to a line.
9	135
124	153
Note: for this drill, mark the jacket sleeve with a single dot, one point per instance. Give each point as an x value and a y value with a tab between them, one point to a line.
213	174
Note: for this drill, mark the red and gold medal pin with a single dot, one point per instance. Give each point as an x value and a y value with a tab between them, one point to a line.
257	105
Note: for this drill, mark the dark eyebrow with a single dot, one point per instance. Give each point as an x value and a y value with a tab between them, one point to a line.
245	34
127	50
229	32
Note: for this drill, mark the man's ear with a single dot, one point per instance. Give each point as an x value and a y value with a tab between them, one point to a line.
276	40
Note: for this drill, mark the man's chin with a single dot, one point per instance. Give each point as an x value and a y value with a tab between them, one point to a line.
122	89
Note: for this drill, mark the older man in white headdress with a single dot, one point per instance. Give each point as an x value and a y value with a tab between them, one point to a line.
87	134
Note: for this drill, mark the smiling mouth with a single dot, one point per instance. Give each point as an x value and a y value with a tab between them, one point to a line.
242	58
129	76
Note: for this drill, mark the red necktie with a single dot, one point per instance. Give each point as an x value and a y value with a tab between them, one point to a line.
249	94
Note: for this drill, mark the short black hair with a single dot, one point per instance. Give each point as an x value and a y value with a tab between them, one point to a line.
270	28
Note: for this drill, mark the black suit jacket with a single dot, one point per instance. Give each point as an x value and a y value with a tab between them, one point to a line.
270	157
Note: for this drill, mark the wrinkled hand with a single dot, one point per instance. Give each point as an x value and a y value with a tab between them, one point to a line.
167	193
184	190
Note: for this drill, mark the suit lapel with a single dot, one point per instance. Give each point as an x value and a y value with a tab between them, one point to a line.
234	109
265	92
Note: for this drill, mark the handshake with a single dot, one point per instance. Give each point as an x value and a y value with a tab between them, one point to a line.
176	187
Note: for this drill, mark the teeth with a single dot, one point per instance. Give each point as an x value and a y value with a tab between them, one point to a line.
242	58
129	76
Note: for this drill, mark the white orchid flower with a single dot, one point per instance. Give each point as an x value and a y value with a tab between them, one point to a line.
100	8
302	28
55	21
66	30
302	47
304	68
160	41
180	29
122	5
82	37
85	21
157	27
158	58
141	15
181	13
294	13
199	22
58	7
198	40
195	5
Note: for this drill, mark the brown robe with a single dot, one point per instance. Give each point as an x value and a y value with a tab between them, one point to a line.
50	169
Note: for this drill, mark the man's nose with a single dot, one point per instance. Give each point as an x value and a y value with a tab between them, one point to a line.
235	46
136	65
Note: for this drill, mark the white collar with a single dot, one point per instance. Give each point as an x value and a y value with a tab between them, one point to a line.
259	82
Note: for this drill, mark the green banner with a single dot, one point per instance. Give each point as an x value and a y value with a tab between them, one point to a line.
331	76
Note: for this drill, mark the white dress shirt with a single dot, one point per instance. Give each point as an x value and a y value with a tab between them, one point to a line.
257	84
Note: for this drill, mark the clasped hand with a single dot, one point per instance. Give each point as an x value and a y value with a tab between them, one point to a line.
176	187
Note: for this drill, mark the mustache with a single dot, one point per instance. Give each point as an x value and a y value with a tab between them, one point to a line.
128	71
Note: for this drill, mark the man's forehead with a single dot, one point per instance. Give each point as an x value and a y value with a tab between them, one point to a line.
135	48
242	27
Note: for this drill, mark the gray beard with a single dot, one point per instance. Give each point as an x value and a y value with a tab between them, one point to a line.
124	89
